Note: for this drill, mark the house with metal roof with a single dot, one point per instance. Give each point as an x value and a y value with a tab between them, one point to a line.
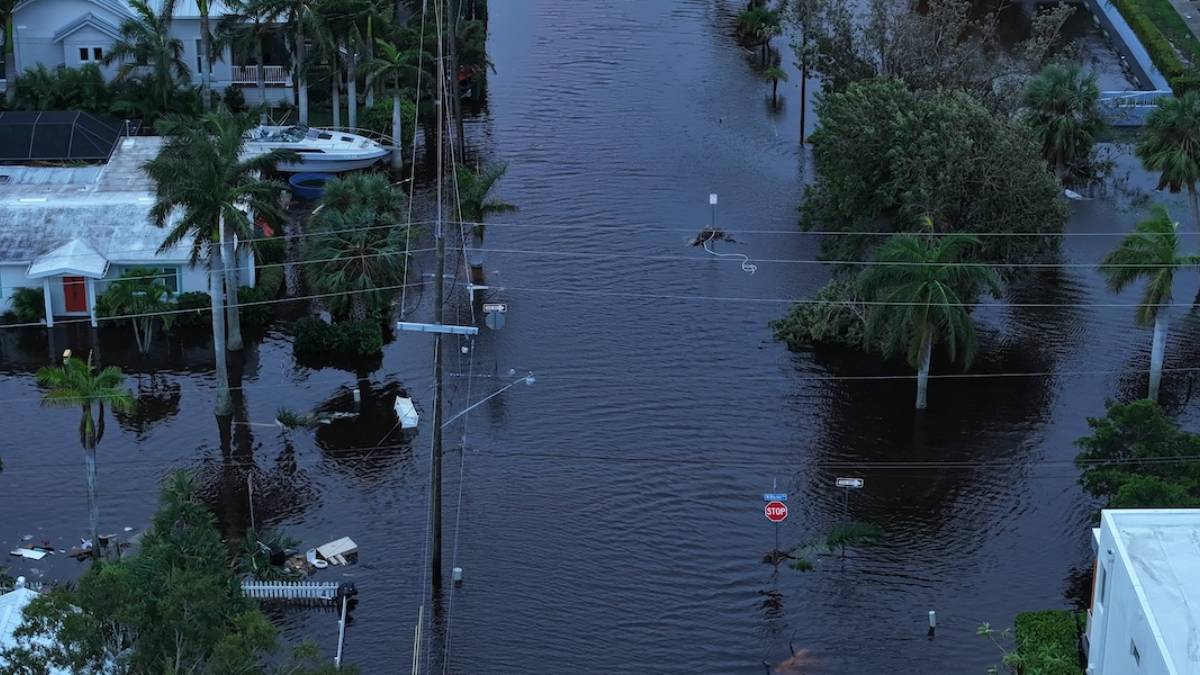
69	231
76	33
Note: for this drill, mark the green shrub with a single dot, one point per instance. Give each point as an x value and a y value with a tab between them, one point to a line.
835	319
1140	15
197	301
1189	81
235	100
1048	642
314	337
378	117
63	88
255	310
269	250
27	305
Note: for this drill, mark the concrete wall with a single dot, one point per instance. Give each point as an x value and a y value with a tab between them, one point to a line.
1117	618
1127	43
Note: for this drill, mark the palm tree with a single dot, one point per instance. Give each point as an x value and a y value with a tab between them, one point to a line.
1152	253
774	75
1171	146
139	295
757	25
474	204
925	285
391	65
301	19
356	261
1061	108
357	258
206	57
246	28
340	36
202	172
77	383
10	64
146	51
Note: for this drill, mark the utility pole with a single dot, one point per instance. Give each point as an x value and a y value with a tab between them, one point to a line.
439	280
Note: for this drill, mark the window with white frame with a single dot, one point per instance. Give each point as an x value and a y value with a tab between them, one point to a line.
168	277
91	54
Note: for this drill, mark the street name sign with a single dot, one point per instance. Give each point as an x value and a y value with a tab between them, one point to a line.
774	496
850	482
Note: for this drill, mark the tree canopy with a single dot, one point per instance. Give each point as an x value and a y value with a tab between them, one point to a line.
890	157
175	607
1121	458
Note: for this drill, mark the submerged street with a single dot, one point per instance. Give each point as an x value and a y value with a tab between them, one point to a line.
608	518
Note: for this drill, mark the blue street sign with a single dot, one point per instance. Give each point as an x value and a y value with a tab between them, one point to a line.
774	496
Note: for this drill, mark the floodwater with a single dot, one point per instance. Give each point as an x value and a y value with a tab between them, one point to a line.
610	517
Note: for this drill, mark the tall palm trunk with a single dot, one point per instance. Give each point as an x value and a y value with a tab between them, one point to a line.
88	432
775	91
260	73
352	88
1157	347
336	94
1194	202
298	73
10	65
222	406
803	93
291	254
923	369
358	307
205	61
397	151
369	82
460	143
229	261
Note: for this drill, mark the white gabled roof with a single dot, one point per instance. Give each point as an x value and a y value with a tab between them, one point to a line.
76	257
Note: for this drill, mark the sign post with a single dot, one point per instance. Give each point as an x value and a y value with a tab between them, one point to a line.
776	511
848	484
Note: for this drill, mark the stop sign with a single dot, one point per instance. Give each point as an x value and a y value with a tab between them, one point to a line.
776	512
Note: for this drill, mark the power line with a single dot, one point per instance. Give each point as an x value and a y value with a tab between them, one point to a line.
783	378
754	457
849	263
817	301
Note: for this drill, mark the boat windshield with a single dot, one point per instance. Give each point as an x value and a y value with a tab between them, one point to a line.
289	135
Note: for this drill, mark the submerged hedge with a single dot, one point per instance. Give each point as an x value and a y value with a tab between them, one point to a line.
1048	642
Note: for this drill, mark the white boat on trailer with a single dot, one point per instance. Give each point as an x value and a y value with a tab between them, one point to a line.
321	150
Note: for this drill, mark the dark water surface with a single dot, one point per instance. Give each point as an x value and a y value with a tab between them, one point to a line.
611	519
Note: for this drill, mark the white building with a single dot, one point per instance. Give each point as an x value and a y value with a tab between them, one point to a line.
75	33
70	231
1145	615
12	608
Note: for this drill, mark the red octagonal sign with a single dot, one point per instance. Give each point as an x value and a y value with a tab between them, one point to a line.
776	512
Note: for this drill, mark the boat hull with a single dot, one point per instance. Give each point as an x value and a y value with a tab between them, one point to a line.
329	165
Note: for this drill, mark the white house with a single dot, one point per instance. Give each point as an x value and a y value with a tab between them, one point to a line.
12	608
70	231
1145	614
80	32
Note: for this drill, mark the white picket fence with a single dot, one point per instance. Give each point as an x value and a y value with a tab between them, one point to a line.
305	591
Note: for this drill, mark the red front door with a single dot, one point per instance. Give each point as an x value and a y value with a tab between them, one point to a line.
75	294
